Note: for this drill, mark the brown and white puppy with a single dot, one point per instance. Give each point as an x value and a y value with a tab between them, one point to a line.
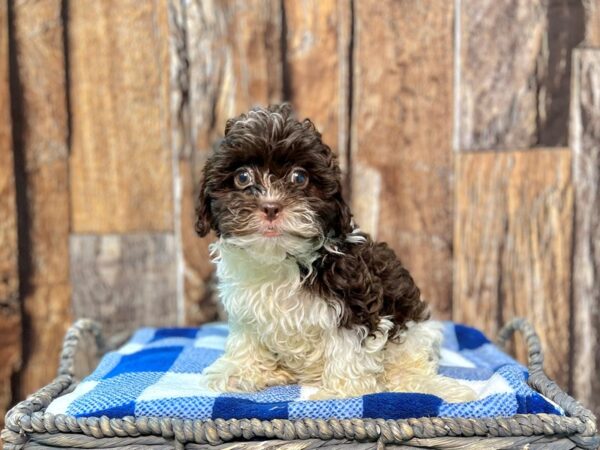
310	298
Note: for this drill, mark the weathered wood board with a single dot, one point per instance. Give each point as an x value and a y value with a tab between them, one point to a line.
47	310
46	300
585	142
592	22
317	67
512	245
234	63
230	59
10	311
513	71
401	136
124	281
121	165
41	140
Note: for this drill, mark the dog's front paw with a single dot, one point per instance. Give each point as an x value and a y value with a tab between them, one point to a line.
224	376
458	394
322	394
227	376
231	383
220	382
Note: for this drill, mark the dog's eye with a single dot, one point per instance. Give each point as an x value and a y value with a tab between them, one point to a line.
299	177
243	179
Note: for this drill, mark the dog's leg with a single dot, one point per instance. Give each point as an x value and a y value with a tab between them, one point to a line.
352	364
245	366
412	365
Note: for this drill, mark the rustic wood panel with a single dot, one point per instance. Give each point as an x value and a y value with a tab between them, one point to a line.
316	66
41	139
512	245
513	72
10	311
47	300
592	22
47	311
121	168
585	143
234	63
401	136
124	281
229	59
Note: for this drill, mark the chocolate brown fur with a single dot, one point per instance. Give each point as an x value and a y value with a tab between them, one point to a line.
365	277
372	283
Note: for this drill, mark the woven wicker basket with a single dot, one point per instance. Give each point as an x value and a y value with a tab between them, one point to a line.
29	426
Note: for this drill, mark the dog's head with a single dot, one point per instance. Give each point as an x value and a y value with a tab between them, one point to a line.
272	184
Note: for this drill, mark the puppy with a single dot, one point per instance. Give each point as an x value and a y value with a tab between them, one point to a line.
310	298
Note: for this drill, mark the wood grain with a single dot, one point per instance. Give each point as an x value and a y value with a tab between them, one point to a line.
513	72
228	59
40	51
121	167
124	281
316	66
401	136
512	245
592	22
48	312
234	63
585	143
10	311
41	140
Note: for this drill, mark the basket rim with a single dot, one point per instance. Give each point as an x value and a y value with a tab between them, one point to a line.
30	417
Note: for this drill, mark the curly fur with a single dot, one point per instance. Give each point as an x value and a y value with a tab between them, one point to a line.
319	302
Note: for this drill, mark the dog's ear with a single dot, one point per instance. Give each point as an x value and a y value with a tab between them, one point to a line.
343	223
203	213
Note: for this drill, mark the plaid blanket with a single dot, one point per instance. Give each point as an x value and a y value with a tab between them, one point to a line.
156	374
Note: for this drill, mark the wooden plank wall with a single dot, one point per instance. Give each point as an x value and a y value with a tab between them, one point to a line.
517	95
122	227
402	170
512	243
512	236
10	309
585	142
41	143
450	119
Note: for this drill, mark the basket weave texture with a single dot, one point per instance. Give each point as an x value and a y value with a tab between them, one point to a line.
29	426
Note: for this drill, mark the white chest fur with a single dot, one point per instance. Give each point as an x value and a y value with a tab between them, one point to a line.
266	299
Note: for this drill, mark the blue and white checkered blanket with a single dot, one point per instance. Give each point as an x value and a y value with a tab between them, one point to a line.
157	374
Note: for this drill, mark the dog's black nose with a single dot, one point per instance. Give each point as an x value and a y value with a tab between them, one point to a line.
271	209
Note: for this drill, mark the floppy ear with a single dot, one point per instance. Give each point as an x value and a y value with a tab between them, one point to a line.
203	214
343	224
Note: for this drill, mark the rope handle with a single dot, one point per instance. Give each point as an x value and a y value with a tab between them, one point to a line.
537	377
535	354
77	333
